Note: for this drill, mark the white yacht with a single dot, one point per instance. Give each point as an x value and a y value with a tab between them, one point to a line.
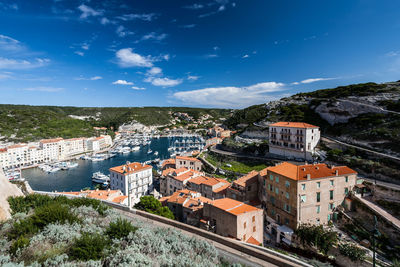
99	177
136	148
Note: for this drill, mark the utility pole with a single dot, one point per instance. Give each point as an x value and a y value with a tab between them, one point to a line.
374	243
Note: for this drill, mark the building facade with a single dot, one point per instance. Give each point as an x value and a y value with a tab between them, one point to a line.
188	162
133	179
293	195
296	140
245	188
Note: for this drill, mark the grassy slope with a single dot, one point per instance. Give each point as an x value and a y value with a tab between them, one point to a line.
30	123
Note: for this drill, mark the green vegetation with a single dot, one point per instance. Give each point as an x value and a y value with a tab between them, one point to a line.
152	205
243	167
54	232
390	206
317	236
31	123
352	251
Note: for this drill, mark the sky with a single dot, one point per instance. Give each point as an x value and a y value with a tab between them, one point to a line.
212	53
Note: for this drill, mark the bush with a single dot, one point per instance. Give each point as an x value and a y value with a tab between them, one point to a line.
352	251
317	236
20	243
120	229
152	205
89	247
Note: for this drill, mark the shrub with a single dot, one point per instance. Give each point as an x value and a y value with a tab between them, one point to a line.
317	236
352	251
89	247
152	205
20	243
120	229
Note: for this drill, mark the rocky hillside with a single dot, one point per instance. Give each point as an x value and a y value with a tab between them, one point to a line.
7	189
364	114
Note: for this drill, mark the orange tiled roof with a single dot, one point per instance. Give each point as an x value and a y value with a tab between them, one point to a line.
187	158
97	194
242	180
131	168
167	171
207	180
119	199
315	171
184	176
232	206
2	150
168	161
222	188
263	172
253	241
16	146
54	140
293	124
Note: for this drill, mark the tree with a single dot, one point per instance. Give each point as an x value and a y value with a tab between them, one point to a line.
152	205
317	236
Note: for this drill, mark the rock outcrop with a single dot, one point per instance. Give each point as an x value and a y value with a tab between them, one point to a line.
7	189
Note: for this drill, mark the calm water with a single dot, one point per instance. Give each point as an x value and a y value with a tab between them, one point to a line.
80	177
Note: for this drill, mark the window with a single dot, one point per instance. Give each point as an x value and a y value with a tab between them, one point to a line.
318	209
329	217
276	190
277	179
331	194
244	225
264	182
271	188
287	183
287	195
346	179
249	188
273	212
272	199
254	228
303	186
318	184
331	206
287	207
271	177
346	190
253	219
318	221
318	196
331	181
286	221
303	198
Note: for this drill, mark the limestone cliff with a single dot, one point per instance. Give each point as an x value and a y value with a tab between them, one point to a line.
7	189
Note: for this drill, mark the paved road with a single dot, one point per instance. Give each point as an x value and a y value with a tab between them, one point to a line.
360	148
392	220
371	106
380	183
234	154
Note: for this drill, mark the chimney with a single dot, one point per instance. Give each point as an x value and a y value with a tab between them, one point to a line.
317	168
308	176
336	172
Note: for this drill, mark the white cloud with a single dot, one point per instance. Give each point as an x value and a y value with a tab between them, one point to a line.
8	6
88	11
144	17
7	63
188	26
313	80
104	21
211	56
79	53
192	77
4	76
44	89
122	82
392	53
154	36
122	31
154	71
127	58
164	82
194	6
10	44
231	96
94	78
245	56
85	46
138	88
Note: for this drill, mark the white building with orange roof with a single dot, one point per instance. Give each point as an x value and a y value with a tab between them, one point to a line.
209	187
99	143
293	195
176	179
53	149
133	179
235	219
74	146
295	140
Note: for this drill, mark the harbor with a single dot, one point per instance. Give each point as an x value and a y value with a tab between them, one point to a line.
53	177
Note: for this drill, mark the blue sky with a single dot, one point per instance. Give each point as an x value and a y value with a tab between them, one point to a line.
214	53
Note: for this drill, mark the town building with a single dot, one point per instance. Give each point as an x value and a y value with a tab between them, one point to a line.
133	179
209	187
213	141
296	194
188	162
74	146
235	219
245	188
115	196
176	179
296	140
187	206
168	163
53	149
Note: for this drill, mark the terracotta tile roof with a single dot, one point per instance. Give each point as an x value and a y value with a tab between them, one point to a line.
2	150
293	124
263	172
233	206
184	176
315	171
131	168
243	180
222	188
187	158
168	161
208	180
16	146
188	199
75	139
119	199
253	241
54	140
167	171
97	194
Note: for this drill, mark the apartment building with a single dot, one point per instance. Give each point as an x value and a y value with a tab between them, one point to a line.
168	163
176	179
213	141
133	179
209	187
74	146
292	194
235	219
53	148
188	162
295	140
187	206
99	143
245	188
